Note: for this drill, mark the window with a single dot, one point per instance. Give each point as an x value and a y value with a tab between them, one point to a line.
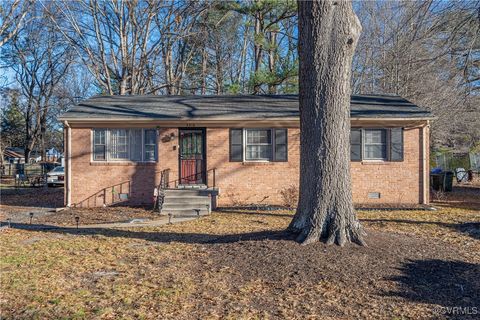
99	144
118	144
124	145
356	144
281	149
236	145
150	145
135	144
375	146
258	145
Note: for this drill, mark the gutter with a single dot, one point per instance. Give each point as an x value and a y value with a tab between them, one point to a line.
68	153
225	120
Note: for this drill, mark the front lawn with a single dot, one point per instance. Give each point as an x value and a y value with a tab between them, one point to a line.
241	265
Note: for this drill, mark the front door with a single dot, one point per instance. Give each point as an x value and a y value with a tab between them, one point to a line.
192	156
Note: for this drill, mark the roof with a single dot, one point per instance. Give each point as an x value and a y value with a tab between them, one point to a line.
12	154
229	107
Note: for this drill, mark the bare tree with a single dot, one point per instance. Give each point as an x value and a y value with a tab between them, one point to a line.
427	52
40	60
120	42
12	16
329	32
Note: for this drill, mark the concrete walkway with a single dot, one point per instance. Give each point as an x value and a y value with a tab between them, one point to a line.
151	223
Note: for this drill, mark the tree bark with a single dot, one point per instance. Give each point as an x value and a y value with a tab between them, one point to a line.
328	34
258	49
272	87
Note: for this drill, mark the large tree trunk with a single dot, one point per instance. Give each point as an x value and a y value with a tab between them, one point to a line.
329	32
257	50
272	88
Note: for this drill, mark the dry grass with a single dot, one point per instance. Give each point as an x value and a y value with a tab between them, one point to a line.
239	265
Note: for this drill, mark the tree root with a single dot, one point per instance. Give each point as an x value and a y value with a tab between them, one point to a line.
336	235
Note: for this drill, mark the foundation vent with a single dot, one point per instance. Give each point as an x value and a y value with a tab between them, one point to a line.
374	195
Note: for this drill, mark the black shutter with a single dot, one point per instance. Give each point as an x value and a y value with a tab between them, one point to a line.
281	145
355	144
236	145
396	144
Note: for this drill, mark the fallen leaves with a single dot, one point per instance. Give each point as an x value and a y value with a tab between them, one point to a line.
239	264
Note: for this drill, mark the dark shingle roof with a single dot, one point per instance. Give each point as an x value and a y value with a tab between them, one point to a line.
230	107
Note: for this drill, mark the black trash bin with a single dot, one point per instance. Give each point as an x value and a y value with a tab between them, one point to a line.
448	181
436	181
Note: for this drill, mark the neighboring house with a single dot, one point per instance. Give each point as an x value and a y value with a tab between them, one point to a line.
51	155
12	156
247	147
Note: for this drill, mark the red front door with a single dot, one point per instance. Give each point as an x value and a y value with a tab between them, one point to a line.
192	156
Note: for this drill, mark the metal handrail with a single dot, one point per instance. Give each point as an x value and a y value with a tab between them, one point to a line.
176	182
103	194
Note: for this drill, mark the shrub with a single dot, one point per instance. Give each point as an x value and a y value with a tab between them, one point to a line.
290	196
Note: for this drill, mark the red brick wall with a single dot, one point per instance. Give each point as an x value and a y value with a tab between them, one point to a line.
397	182
242	183
89	178
251	182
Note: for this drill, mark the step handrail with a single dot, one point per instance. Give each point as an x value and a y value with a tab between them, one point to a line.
176	182
103	193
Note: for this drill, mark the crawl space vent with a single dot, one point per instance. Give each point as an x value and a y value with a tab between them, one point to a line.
374	195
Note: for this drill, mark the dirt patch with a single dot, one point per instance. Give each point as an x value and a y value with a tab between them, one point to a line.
86	216
98	215
395	276
17	203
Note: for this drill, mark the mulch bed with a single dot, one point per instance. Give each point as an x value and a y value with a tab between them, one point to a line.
97	215
17	203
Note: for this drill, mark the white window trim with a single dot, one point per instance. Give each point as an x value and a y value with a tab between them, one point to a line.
387	145
107	146
245	145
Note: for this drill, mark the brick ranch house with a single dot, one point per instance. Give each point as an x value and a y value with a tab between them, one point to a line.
244	148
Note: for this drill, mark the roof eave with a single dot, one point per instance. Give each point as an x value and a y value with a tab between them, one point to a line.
228	120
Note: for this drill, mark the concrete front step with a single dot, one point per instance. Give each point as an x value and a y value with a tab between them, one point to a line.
186	192
184	212
183	202
186	199
175	205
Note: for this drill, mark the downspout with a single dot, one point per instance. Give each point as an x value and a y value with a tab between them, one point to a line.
425	164
68	155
